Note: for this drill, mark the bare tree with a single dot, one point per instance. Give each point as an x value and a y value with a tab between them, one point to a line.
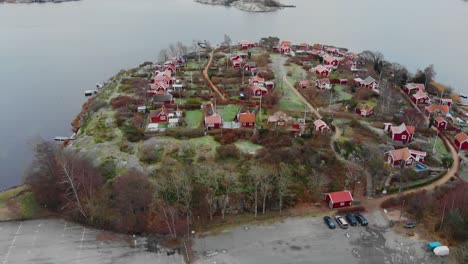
261	176
163	55
173	50
182	49
372	56
229	184
282	182
227	41
210	177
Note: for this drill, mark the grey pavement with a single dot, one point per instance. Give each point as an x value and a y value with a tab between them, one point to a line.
58	241
308	240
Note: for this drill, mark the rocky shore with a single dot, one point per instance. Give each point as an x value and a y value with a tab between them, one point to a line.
247	5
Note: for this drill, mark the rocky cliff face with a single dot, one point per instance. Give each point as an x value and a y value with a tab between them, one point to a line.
246	5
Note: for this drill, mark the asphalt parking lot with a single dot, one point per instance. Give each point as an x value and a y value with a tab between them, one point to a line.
58	241
309	240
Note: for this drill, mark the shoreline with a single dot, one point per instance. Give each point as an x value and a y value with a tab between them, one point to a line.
34	1
254	7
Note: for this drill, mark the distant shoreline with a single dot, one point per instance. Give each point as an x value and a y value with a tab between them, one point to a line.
248	6
34	1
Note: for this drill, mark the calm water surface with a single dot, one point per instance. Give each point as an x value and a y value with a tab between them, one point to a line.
51	53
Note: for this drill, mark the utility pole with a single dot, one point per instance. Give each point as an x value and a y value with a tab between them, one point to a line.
435	141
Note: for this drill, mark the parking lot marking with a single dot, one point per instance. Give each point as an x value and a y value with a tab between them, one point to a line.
7	255
81	245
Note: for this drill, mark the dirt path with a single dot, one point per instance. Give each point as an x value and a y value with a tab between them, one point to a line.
208	80
309	105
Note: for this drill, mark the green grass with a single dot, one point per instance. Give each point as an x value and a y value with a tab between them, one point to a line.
247	146
439	148
228	112
342	95
204	145
18	203
193	118
28	205
193	64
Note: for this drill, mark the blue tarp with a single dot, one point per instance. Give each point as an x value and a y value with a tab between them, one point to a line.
432	245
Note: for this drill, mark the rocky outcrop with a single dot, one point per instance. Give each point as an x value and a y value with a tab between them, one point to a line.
247	5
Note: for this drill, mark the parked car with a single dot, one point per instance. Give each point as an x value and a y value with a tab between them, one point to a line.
361	219
341	221
410	224
329	221
351	219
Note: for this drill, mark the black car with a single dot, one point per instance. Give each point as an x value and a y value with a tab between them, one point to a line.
410	224
361	219
351	219
329	221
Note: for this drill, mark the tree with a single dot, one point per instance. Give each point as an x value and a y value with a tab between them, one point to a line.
429	73
173	50
413	117
282	182
374	57
133	199
260	176
229	184
227	41
44	175
163	55
80	181
210	177
181	48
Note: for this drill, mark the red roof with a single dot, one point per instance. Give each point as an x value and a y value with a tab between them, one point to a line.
339	197
213	119
462	137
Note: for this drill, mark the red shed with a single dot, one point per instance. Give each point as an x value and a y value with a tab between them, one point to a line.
339	199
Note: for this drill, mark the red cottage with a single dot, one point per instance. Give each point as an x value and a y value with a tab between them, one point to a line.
446	101
270	85
304	84
339	199
322	71
245	44
364	110
323	83
213	122
159	116
410	88
246	119
257	91
405	156
461	141
331	61
440	122
402	133
285	49
420	97
438	110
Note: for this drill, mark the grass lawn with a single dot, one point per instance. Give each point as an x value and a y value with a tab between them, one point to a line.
228	112
342	95
298	73
439	148
18	203
193	118
204	145
247	146
193	64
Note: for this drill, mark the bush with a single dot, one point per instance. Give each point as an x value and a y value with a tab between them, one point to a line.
96	105
228	151
150	154
108	169
185	133
351	209
194	101
132	133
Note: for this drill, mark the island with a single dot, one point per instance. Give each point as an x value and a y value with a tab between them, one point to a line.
262	135
248	5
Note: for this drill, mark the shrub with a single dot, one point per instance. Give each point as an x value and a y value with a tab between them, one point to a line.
150	154
132	133
96	105
194	101
351	209
108	169
228	151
